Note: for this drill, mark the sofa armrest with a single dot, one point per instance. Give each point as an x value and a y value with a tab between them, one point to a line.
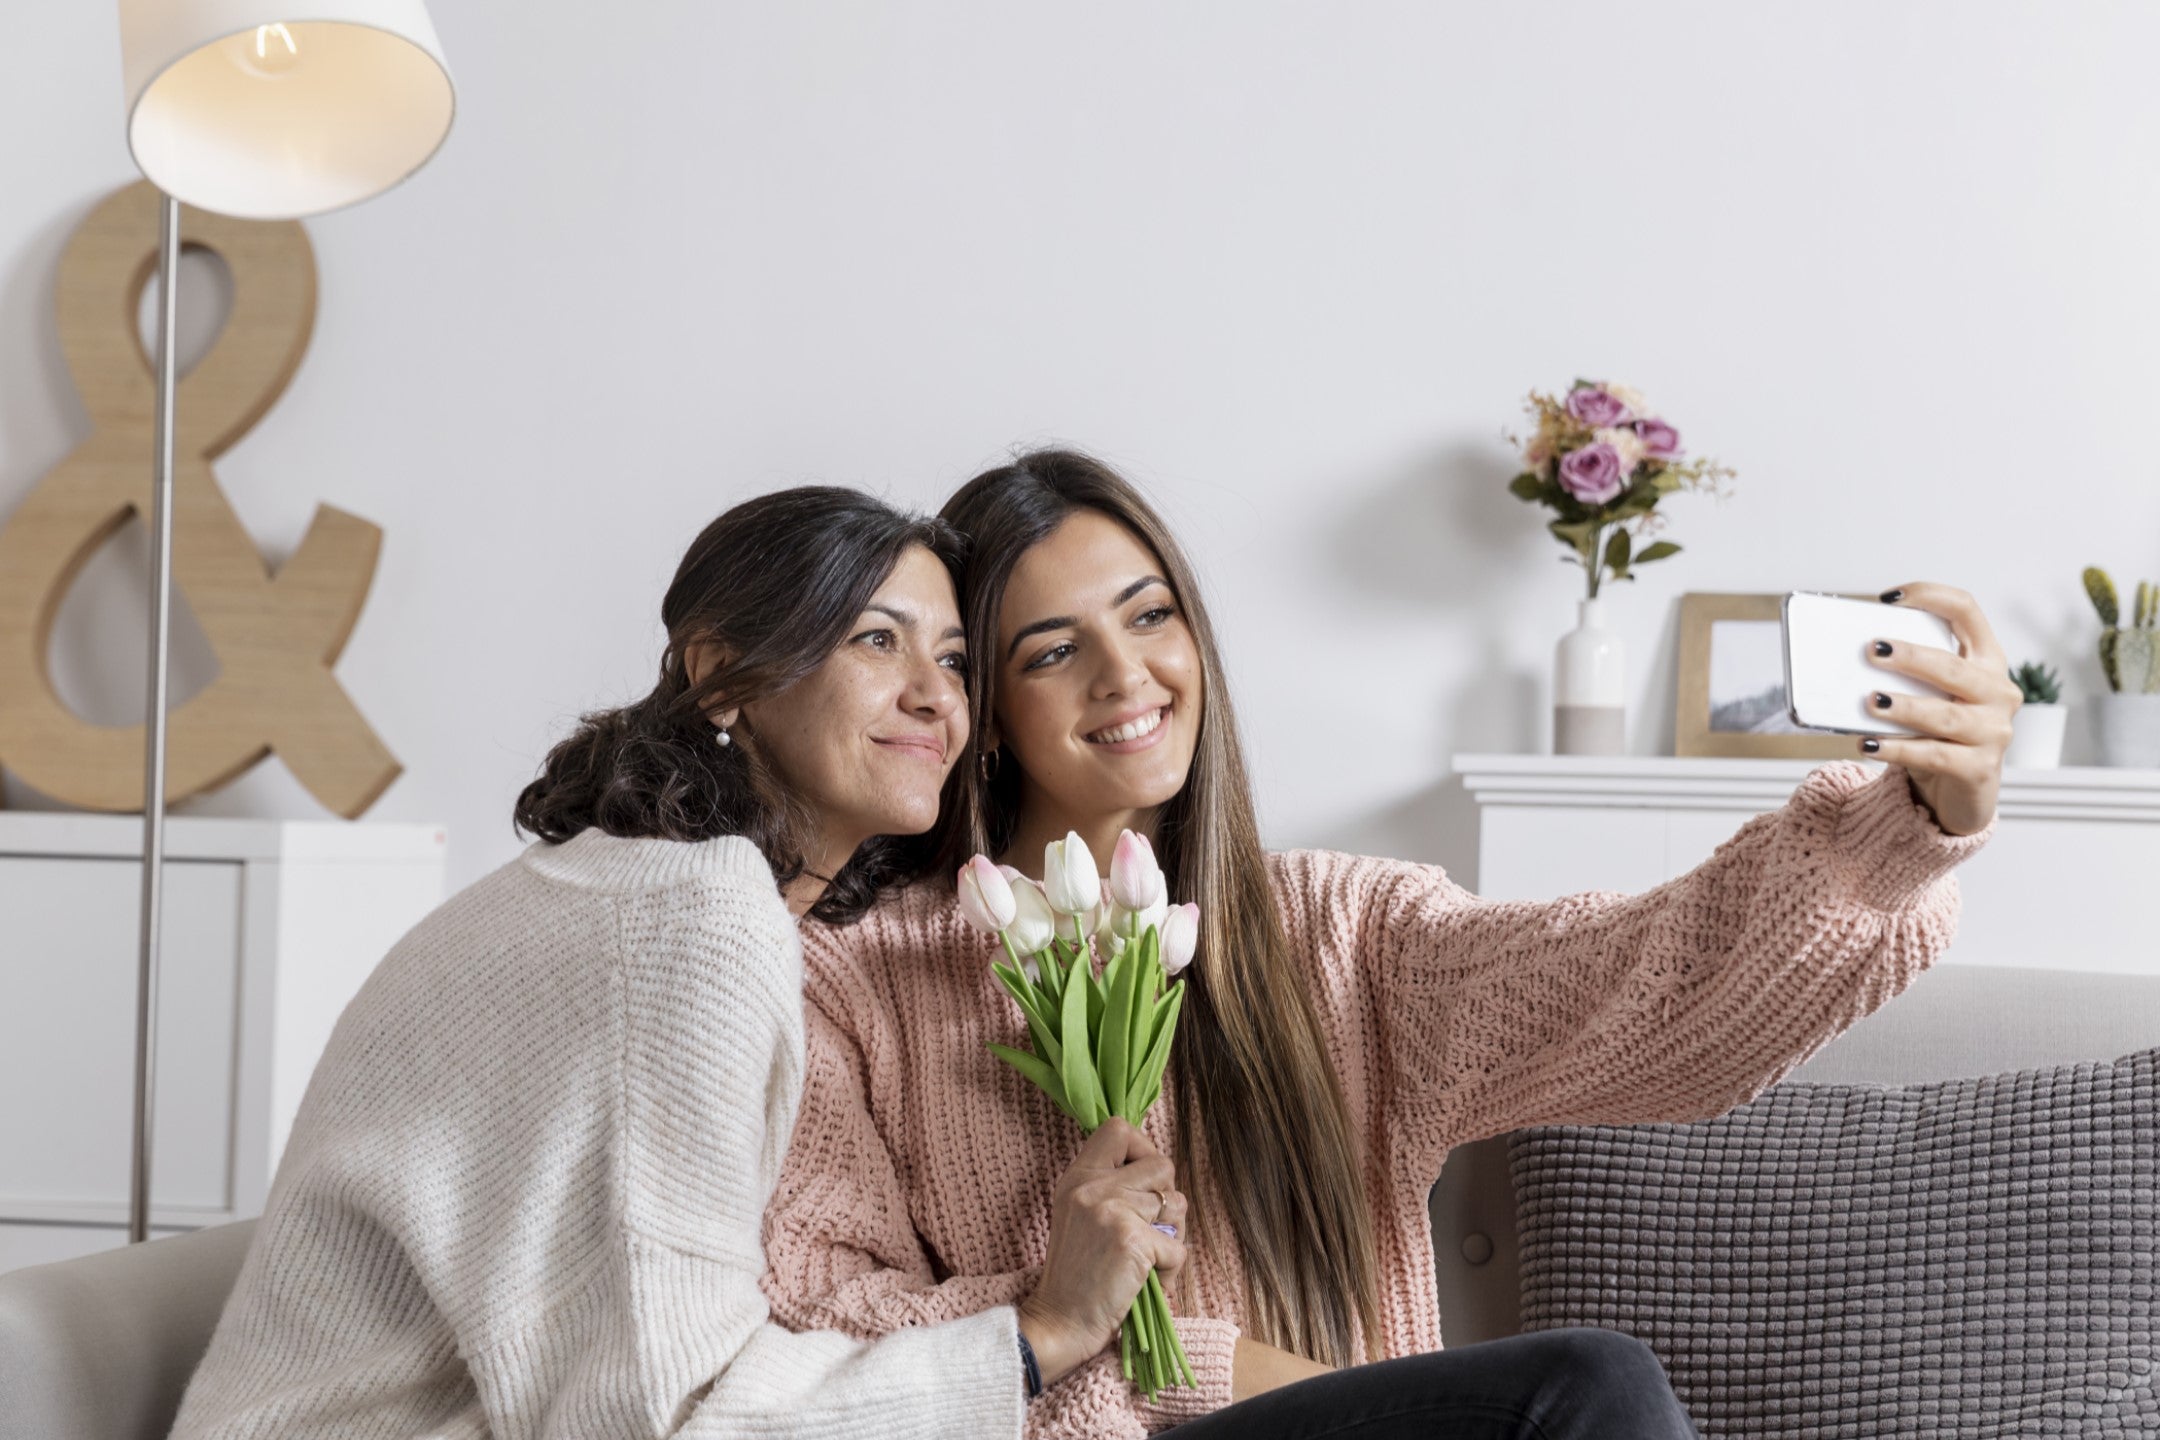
102	1346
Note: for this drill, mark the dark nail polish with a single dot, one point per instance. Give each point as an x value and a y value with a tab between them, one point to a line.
1871	745
1891	597
1882	647
1882	701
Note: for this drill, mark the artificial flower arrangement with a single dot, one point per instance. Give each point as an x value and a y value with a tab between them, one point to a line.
1101	1042
1603	460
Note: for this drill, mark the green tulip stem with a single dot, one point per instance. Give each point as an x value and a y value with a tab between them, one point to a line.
1100	1050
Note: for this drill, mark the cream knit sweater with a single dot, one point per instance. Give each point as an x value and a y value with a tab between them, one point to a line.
522	1194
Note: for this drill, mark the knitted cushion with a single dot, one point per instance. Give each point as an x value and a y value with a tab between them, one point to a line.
1971	1258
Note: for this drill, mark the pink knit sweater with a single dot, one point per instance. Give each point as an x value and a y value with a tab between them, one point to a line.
918	1184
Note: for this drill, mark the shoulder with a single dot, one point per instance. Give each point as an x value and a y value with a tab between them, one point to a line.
856	972
720	889
907	921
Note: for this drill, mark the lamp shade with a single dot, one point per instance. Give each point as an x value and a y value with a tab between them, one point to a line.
275	112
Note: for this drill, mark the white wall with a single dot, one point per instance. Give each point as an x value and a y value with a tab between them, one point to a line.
1292	265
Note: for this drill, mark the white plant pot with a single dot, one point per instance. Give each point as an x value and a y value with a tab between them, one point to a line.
2036	735
2128	729
1590	687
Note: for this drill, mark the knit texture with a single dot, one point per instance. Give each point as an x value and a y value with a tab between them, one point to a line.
522	1194
918	1183
1969	1259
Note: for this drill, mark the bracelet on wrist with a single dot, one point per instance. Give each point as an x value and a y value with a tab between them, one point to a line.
1034	1371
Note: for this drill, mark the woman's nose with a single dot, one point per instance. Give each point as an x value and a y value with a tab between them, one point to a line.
1121	672
934	689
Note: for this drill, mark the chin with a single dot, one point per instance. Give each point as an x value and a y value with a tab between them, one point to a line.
1147	794
913	818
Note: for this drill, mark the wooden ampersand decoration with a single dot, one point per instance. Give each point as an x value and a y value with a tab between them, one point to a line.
276	636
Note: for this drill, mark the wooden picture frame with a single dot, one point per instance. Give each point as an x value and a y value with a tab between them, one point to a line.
1717	724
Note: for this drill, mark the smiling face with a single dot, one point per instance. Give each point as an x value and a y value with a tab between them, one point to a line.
1099	682
867	739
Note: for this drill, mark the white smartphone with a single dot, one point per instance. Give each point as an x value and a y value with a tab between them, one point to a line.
1828	673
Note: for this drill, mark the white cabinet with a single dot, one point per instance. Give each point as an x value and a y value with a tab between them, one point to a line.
269	928
2065	881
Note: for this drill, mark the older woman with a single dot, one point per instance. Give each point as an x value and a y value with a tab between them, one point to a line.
522	1194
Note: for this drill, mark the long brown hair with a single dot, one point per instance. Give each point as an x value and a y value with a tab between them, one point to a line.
776	582
1254	1081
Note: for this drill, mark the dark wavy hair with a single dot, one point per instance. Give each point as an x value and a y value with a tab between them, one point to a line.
1252	1083
776	582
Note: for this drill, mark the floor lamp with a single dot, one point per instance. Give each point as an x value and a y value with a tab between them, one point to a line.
266	113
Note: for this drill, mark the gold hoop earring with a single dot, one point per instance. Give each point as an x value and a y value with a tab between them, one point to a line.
987	762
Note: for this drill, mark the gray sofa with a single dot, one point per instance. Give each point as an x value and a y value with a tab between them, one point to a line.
1952	1022
102	1346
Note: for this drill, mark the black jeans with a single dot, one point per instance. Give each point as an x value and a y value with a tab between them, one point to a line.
1580	1383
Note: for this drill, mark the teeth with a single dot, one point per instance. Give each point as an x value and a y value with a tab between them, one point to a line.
1131	730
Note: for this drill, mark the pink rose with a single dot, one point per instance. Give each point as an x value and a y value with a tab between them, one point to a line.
1592	474
1595	407
1659	440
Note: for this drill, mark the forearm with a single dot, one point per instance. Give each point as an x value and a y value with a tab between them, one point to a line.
1675	1003
1260	1368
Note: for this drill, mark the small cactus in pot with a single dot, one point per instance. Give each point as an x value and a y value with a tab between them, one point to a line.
2129	654
2129	716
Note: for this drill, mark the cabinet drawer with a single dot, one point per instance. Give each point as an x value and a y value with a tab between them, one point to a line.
68	954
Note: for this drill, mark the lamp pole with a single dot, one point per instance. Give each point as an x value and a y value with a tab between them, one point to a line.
153	871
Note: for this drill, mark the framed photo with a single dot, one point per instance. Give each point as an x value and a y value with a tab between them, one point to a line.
1731	698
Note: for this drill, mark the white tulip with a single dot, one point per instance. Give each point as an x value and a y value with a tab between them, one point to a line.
1120	924
1079	928
1070	880
1033	923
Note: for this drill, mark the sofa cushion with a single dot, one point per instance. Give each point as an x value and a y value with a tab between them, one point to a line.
1976	1257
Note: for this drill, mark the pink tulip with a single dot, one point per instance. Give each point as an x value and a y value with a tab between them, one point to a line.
1180	936
1136	881
986	896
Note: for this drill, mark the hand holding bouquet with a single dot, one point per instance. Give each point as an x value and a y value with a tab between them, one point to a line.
1100	1042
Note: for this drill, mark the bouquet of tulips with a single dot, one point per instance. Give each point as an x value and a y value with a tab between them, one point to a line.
1101	1041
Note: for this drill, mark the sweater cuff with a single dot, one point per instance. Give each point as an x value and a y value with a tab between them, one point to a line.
1211	1350
1893	843
986	1388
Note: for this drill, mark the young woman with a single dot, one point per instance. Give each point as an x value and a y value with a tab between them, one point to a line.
1349	1019
523	1191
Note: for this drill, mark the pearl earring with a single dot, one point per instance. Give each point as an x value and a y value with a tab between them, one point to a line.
725	738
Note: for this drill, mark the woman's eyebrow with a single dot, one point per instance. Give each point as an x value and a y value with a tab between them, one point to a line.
1063	622
1136	587
907	621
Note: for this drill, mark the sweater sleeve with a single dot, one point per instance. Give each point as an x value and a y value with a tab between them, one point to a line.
1674	1004
844	1255
674	1337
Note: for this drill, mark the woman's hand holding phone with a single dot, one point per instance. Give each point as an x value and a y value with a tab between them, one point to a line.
1955	761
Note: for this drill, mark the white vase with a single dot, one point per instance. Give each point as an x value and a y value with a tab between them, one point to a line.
2036	735
1590	687
2128	729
